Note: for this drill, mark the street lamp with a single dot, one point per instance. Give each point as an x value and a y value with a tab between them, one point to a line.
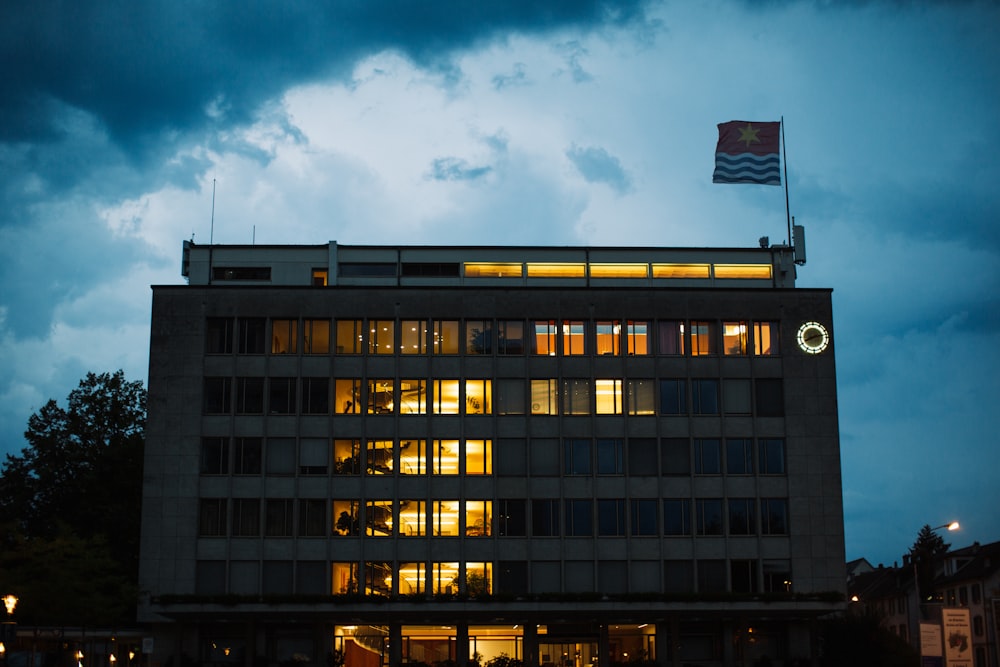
953	526
10	601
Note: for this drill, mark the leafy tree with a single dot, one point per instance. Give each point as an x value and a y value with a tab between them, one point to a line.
926	550
76	488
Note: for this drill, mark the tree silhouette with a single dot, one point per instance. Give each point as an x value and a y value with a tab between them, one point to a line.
926	550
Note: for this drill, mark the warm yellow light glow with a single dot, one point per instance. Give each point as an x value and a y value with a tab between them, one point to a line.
680	270
3	649
619	270
112	659
743	271
554	270
10	601
493	270
953	525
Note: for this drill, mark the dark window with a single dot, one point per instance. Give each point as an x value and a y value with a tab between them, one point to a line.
310	578
676	516
246	517
511	398
707	457
678	576
770	397
544	518
246	456
611	517
512	577
511	457
743	574
771	456
218	396
673	400
315	396
282	396
367	269
210	577
642	457
543	457
214	456
219	335
777	576
280	456
278	517
312	518
671	337
711	576
739	456
430	269
212	517
774	516
705	397
249	396
510	337
241	273
675	456
643	519
741	517
576	457
250	338
708	516
610	456
513	517
277	577
579	517
479	336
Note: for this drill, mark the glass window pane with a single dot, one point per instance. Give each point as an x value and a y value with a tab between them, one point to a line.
510	337
608	396
381	337
445	337
735	336
544	397
573	338
349	336
316	337
413	337
671	337
638	338
703	338
445	397
479	337
543	337
609	337
576	397
284	336
765	338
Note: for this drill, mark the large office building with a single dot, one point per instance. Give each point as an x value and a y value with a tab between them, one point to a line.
572	457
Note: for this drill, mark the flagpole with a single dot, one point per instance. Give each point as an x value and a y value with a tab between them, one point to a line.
784	158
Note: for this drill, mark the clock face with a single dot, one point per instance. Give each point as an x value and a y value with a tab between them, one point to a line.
813	337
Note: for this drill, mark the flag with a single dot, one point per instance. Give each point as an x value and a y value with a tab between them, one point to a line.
748	153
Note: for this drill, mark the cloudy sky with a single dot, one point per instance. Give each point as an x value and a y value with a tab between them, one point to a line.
555	122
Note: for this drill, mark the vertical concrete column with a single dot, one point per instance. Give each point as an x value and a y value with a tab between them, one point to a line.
675	640
529	644
603	645
664	645
462	644
728	654
250	641
395	644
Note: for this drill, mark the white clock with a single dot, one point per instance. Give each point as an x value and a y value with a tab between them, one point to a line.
813	337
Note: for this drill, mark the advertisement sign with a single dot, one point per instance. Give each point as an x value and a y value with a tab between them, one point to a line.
957	632
931	651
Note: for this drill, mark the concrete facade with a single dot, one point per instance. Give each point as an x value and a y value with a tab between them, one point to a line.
623	456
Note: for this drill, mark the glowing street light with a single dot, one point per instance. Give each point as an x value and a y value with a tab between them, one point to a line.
10	601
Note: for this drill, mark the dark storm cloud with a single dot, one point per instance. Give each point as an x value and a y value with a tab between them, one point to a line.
145	67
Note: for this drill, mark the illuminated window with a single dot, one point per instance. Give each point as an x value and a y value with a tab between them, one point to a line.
573	338
637	339
765	339
445	457
478	457
412	578
346	517
413	397
444	518
381	337
346	457
510	396
676	516
610	456
250	396
579	514
212	517
680	270
315	396
743	271
577	456
543	337
380	398
493	269
510	337
378	518
413	457
413	518
284	335
734	338
556	270
670	337
413	337
619	270
576	397
478	579
741	517
641	398
702	338
344	578
545	397
319	277
445	398
609	397
478	518
479	336
316	336
379	457
281	396
478	397
347	396
349	336
378	578
445	337
609	337
445	578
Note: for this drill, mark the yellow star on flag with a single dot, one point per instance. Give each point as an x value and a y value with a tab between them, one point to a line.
748	135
